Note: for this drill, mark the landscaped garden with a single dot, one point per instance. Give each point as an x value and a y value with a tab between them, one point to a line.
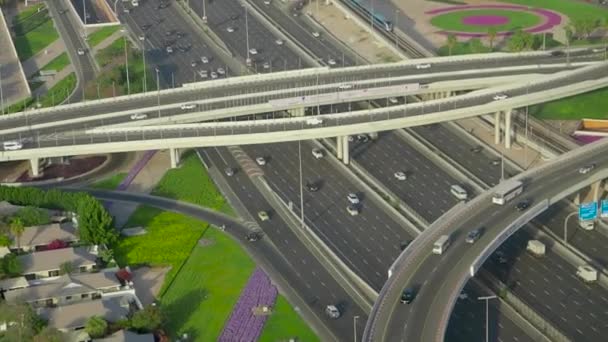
101	34
477	20
110	183
34	31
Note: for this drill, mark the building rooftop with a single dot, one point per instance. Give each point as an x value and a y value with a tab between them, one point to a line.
76	315
42	235
13	283
50	260
127	336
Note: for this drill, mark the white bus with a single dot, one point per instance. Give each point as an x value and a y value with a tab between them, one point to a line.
441	244
507	190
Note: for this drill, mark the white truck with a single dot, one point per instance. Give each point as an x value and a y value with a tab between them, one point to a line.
536	247
587	273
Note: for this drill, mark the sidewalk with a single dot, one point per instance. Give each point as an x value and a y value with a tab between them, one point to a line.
42	58
52	81
106	42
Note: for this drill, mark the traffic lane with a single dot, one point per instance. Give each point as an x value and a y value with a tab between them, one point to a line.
427	187
306	274
219	18
467	321
577	308
368	242
300	29
88	14
591	243
483	164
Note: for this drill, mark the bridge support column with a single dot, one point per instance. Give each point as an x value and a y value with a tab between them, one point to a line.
345	156
497	128
297	112
508	127
174	153
598	189
339	147
35	167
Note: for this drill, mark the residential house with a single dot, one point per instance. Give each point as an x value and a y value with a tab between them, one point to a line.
127	336
11	284
74	316
37	238
68	289
47	263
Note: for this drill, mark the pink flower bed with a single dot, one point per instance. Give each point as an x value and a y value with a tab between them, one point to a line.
485	20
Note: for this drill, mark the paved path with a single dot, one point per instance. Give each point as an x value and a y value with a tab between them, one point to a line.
14	84
106	42
44	57
52	81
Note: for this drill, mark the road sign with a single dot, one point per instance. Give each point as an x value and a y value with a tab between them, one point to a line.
587	211
604	208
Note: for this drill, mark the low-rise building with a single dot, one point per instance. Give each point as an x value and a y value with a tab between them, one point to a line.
48	263
127	336
37	238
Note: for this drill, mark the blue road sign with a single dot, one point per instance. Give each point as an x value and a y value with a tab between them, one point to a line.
587	211
604	208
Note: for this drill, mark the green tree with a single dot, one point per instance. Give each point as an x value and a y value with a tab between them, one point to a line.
17	228
146	320
32	216
5	240
66	267
49	334
475	45
492	36
106	255
520	41
25	322
96	327
11	265
452	41
95	223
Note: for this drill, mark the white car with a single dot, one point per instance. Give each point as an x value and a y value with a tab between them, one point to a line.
12	145
586	169
352	210
263	216
266	2
80	52
314	121
142	37
400	175
203	73
353	198
230	29
598	50
204	59
316	34
317	153
266	65
139	116
221	71
253	51
463	295
260	160
423	66
188	106
345	86
500	97
169	49
213	75
279	41
331	61
393	100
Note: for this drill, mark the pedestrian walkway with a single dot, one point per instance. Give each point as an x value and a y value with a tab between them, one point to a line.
51	81
106	42
44	57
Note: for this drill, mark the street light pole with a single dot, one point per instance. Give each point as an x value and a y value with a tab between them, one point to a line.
487	299
158	91
301	187
248	60
145	68
204	13
354	324
127	65
371	16
566	226
1	93
394	27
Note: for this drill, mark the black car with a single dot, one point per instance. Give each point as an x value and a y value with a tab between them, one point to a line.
145	27
404	244
476	149
473	236
253	236
163	5
312	187
234	17
407	296
557	53
523	205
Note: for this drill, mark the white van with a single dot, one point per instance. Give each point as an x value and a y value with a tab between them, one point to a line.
12	145
586	225
441	244
459	192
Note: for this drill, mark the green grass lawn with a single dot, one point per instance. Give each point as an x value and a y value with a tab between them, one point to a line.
60	91
110	183
191	183
284	322
571	8
58	63
34	31
212	278
452	21
101	34
593	105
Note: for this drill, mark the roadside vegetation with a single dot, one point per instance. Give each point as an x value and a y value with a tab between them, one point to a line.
101	34
592	105
110	183
34	30
58	63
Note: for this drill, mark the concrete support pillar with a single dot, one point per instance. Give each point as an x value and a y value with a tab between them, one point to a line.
35	167
174	153
297	112
345	156
508	127
577	199
339	147
598	189
497	128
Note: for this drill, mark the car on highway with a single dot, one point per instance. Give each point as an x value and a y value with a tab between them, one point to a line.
169	49
586	169
332	312
352	210
279	41
463	295
267	2
473	236
139	116
145	27
312	186
476	149
193	64
596	50
253	236
203	73
353	198
423	66
12	145
314	121
260	160
214	75
141	37
318	153
316	34
557	53
80	51
523	205
331	61
188	106
400	175
393	100
229	171
221	71
500	97
459	192
162	5
263	215
495	162
253	51
363	138
407	296
345	86
230	29
403	245
204	59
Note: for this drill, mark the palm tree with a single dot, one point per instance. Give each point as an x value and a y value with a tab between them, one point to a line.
451	43
492	36
17	228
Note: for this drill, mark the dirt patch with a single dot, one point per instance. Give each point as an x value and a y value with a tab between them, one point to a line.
148	282
76	166
206	242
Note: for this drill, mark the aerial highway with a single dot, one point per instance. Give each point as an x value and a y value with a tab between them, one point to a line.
438	279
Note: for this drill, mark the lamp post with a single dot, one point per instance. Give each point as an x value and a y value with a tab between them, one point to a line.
248	60
566	226
145	68
371	16
204	13
487	299
301	181
355	328
394	27
1	93
126	61
158	90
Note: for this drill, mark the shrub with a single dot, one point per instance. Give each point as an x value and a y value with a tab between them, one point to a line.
32	216
96	327
146	320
